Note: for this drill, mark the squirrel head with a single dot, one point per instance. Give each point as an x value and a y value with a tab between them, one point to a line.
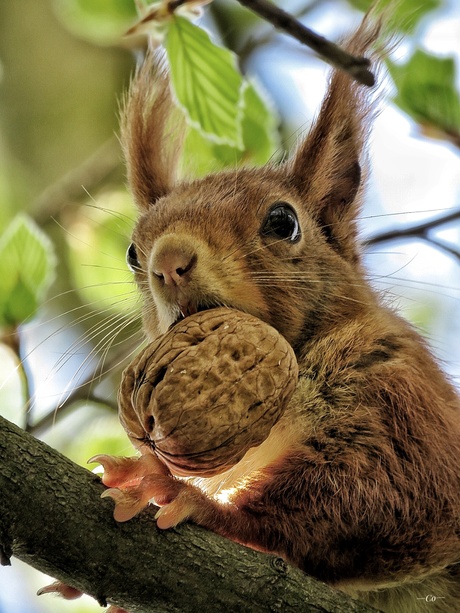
278	242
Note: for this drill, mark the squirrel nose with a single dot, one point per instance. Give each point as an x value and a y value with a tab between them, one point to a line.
173	264
173	270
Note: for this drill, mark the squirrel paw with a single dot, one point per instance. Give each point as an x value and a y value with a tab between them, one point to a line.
134	482
129	501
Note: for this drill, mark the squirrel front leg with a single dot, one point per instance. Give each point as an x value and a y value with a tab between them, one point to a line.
338	520
292	507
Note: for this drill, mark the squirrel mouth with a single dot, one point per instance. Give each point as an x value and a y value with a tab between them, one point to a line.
189	308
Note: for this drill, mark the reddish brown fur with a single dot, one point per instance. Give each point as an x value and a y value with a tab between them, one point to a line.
359	483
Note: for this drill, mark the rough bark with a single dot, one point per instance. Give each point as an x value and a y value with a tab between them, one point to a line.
52	517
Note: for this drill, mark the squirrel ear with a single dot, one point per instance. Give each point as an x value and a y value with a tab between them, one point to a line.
150	133
326	168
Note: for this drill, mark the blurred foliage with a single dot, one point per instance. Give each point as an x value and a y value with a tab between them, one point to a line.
404	15
426	90
206	81
58	100
101	22
63	67
27	265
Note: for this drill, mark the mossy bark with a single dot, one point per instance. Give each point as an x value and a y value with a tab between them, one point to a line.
52	517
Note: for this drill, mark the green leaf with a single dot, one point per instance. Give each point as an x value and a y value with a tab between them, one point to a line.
260	126
404	15
260	140
27	265
427	92
206	82
99	21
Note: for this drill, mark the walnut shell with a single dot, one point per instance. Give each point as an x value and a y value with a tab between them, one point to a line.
208	390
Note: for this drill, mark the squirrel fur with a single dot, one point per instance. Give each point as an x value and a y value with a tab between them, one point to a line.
359	483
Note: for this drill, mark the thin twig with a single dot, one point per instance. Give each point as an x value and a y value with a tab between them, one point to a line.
453	136
71	187
413	231
83	391
266	33
439	244
11	339
357	67
56	415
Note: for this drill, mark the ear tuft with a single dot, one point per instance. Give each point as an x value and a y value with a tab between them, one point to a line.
326	168
150	133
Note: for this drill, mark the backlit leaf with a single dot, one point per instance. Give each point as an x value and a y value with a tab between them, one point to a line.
206	82
27	265
427	92
260	140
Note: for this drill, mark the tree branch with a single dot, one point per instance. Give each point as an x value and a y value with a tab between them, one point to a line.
52	518
254	40
420	231
357	67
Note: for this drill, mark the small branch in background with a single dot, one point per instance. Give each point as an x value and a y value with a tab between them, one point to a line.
419	231
453	137
11	339
356	67
83	392
445	247
71	187
266	32
69	406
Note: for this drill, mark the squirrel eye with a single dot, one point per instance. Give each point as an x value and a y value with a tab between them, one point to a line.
131	258
282	222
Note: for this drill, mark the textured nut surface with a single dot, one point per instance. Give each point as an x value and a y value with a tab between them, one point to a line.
208	390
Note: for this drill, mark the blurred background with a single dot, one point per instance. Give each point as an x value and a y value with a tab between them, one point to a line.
64	65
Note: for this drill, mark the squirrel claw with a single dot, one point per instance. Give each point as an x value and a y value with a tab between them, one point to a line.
124	472
174	513
70	593
169	516
66	591
128	502
133	482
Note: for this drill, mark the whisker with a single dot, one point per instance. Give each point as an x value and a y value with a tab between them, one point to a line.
403	213
97	207
103	344
83	340
124	298
423	283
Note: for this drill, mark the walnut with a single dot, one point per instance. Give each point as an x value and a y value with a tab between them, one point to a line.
208	390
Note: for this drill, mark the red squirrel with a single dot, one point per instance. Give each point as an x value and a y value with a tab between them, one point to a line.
358	484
